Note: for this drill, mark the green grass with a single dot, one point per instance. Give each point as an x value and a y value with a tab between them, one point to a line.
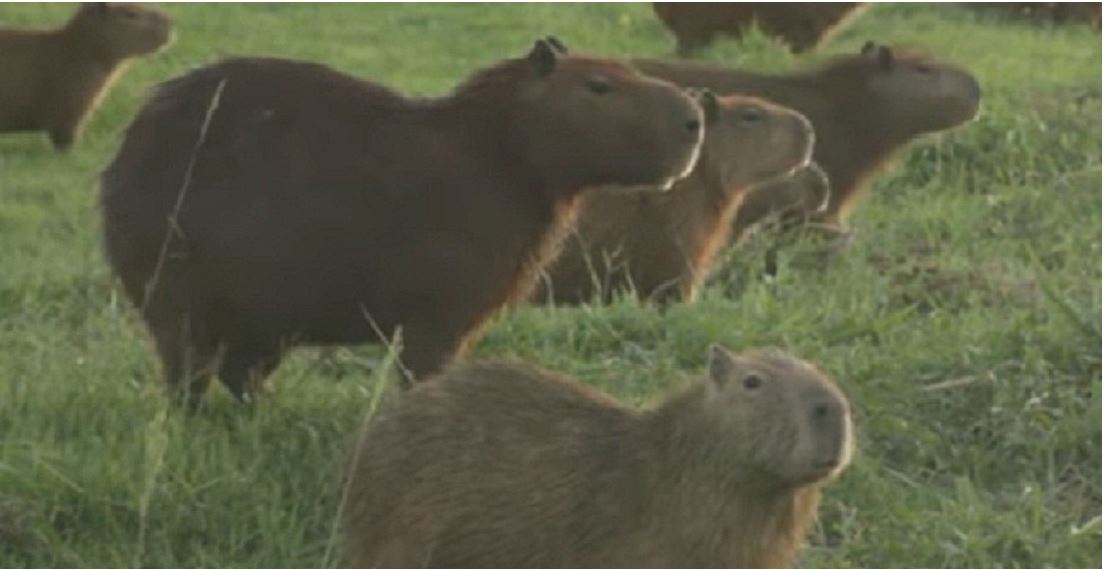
964	322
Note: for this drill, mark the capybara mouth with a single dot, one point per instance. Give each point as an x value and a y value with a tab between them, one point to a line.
669	183
691	163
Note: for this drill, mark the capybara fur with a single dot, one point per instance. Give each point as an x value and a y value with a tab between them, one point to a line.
502	465
50	80
864	107
802	26
789	200
661	245
256	204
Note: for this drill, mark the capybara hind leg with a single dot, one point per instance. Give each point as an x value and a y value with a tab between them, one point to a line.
186	364
62	138
243	371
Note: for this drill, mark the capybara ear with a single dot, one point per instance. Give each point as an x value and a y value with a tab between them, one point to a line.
99	8
556	44
722	365
543	57
711	107
879	53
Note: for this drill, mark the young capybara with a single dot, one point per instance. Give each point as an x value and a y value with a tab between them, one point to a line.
51	79
791	199
661	246
864	107
256	204
500	465
802	26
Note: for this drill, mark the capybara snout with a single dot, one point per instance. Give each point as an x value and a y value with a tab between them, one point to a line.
829	421
126	30
678	120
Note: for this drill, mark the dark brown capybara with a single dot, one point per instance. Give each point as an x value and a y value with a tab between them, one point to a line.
50	80
661	246
795	198
802	26
864	107
317	208
500	465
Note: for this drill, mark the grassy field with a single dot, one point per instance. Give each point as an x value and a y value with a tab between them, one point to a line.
964	322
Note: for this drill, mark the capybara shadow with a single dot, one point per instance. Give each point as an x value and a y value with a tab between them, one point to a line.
257	204
660	246
503	465
50	80
802	26
864	107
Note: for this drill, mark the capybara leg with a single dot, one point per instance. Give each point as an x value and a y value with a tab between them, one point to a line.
690	46
62	138
244	370
187	364
426	353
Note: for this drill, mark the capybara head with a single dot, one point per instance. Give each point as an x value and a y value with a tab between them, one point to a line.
928	95
121	30
806	192
785	420
605	118
749	140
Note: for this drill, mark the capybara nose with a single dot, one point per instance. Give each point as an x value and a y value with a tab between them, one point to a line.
693	125
975	88
823	411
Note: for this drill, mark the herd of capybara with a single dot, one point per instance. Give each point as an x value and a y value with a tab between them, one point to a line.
256	204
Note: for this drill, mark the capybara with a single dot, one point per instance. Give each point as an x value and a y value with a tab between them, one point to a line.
51	79
864	107
659	245
802	26
791	199
502	465
256	203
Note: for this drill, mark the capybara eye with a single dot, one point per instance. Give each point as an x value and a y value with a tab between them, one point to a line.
599	86
749	115
752	381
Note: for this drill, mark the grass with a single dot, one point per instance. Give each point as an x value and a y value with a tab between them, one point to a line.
964	322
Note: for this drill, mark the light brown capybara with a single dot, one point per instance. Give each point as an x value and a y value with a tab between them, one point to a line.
802	26
792	199
864	107
317	208
50	80
500	465
661	246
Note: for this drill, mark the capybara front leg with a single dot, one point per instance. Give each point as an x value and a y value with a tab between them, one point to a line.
425	352
187	362
244	370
